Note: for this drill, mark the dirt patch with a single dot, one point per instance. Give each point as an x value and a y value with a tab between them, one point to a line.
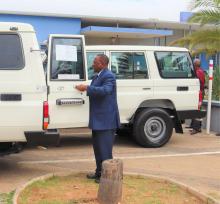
76	189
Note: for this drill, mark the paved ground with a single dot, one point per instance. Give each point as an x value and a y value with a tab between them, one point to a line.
193	160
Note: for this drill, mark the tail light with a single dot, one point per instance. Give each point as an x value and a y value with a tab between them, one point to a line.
199	105
45	115
200	100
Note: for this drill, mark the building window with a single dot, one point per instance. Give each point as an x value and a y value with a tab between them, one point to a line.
11	52
129	65
174	64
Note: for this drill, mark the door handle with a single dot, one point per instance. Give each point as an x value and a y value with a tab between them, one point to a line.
146	88
69	101
182	88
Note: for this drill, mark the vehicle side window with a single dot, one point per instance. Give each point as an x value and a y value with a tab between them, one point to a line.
174	64
90	58
129	65
67	59
11	52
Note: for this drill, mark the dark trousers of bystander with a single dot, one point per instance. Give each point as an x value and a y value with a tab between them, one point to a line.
196	125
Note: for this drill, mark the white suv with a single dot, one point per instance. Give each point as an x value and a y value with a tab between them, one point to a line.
157	87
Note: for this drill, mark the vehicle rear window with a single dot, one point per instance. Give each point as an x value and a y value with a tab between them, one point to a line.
11	52
174	64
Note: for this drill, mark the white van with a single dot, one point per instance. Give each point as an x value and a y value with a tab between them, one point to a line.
157	87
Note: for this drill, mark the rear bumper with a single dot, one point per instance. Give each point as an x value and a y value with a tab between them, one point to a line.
191	114
43	138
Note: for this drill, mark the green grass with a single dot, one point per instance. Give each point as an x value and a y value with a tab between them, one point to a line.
215	85
7	198
214	195
136	189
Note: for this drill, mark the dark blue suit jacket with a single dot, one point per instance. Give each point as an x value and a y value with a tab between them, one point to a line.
103	113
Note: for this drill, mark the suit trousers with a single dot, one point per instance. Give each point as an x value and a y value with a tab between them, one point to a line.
103	141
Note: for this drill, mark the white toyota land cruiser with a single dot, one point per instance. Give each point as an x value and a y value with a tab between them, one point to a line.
157	87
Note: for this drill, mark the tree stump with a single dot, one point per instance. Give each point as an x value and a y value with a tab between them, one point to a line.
110	187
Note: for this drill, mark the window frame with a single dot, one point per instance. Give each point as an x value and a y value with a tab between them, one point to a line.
131	51
83	60
22	52
189	57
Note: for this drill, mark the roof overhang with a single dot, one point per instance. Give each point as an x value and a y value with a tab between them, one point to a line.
122	21
100	31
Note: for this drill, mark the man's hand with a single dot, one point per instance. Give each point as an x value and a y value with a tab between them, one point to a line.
81	87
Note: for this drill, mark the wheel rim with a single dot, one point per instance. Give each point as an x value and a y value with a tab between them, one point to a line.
154	128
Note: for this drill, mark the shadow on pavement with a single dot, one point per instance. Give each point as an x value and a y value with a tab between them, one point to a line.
76	141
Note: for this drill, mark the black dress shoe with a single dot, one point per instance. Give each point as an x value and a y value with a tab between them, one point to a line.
92	176
97	180
193	132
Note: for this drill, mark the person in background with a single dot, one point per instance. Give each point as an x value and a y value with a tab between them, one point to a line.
103	112
196	124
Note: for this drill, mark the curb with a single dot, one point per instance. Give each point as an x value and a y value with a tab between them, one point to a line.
47	176
201	196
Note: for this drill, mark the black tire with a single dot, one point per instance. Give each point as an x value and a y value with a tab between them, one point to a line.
5	146
18	147
152	127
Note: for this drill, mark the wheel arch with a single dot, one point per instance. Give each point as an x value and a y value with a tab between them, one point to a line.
157	103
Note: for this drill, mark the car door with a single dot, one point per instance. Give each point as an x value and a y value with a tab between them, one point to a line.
66	68
177	81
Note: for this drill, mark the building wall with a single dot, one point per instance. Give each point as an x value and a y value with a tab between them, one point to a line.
97	41
162	41
176	35
140	41
120	41
44	25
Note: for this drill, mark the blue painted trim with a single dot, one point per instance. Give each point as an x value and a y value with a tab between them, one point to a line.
127	30
204	61
185	15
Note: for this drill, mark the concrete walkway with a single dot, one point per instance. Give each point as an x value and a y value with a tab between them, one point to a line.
192	160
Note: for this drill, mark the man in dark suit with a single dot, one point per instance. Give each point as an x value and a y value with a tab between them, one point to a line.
103	114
